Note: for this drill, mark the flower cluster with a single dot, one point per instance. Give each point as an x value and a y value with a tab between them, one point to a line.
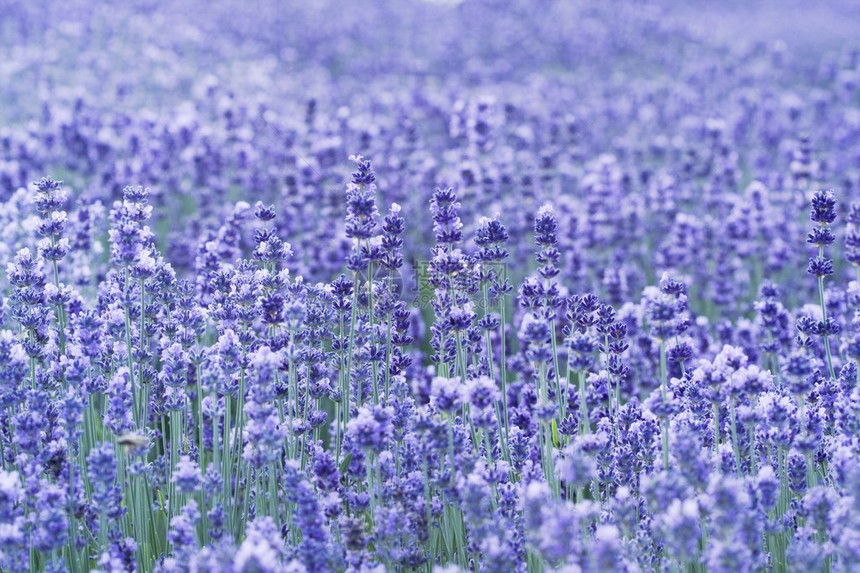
561	321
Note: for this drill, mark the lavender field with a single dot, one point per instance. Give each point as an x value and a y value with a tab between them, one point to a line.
433	286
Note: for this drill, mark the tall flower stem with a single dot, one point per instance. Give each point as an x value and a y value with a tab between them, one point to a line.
664	422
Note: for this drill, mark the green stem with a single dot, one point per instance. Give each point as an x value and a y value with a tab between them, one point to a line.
664	389
716	410
502	353
585	422
824	318
734	426
61	313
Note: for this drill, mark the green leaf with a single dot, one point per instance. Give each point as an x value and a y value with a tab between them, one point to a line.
345	463
555	440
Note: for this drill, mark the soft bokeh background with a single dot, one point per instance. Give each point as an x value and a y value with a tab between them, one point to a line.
213	102
155	51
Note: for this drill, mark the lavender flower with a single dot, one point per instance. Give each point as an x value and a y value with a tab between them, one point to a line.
664	390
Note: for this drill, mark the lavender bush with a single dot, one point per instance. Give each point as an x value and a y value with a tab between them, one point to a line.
429	286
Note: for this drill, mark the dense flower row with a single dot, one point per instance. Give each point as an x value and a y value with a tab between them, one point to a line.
570	323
